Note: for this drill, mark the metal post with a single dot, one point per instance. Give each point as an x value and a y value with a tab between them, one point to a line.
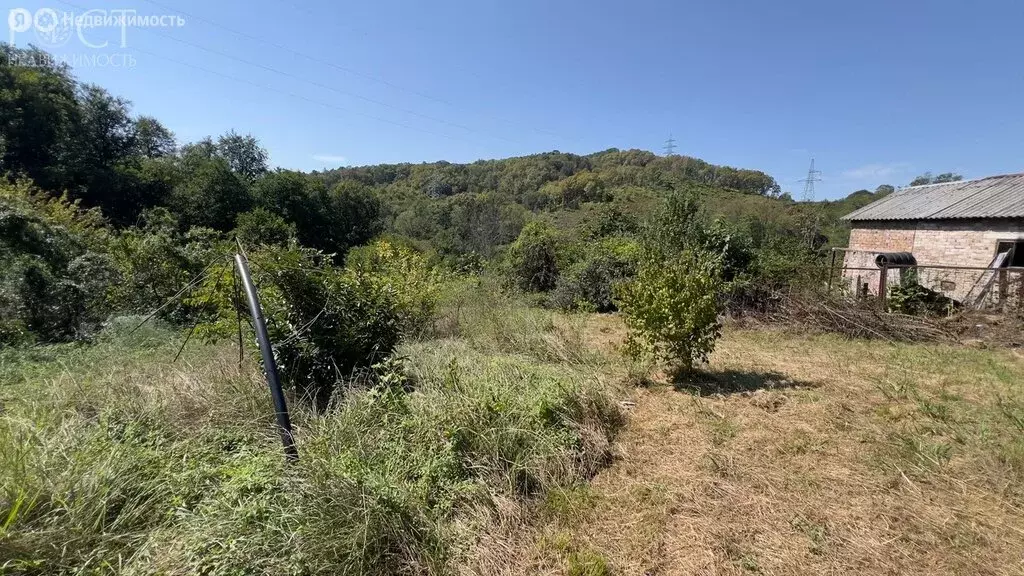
883	277
269	364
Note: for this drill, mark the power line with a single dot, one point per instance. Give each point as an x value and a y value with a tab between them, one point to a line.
670	145
312	82
327	87
293	95
334	22
812	177
336	66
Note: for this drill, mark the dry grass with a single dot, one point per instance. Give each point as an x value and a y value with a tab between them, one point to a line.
807	455
114	459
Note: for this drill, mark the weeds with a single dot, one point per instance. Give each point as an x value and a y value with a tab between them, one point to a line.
157	467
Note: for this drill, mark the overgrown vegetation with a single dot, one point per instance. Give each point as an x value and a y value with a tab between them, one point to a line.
438	395
170	467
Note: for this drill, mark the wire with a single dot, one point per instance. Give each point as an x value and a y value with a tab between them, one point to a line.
300	79
206	303
199	278
272	89
327	87
294	95
302	54
334	65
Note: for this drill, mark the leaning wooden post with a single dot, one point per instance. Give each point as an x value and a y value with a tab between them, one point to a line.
1020	290
831	269
1004	288
883	276
284	423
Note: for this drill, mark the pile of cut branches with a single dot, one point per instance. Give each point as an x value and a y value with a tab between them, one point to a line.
856	319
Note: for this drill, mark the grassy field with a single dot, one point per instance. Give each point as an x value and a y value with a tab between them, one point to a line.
807	455
114	459
498	447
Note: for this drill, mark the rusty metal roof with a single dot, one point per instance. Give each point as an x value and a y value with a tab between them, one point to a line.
992	197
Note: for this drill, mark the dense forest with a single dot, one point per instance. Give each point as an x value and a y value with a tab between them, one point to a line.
105	211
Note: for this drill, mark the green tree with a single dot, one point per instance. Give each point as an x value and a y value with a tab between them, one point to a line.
533	258
39	116
210	195
260	227
152	139
298	199
928	178
243	154
671	308
683	224
356	214
348	215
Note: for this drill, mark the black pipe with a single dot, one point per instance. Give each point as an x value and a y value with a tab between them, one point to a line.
269	364
895	259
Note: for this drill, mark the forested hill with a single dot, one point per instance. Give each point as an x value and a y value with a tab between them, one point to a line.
525	177
66	137
159	209
480	206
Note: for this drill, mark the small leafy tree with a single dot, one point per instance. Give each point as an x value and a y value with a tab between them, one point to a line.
533	258
260	226
671	308
326	323
590	283
672	305
415	283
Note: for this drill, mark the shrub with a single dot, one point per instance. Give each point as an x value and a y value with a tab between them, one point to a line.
590	283
910	297
416	284
325	323
262	227
533	258
53	279
671	308
155	262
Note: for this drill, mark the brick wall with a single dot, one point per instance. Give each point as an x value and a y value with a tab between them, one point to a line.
968	243
883	236
932	242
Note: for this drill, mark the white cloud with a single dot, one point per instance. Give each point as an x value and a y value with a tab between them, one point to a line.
877	171
330	158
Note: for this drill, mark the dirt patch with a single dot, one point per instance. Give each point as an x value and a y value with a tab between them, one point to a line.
801	455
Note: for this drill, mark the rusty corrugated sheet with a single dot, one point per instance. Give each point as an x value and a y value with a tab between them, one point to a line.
992	197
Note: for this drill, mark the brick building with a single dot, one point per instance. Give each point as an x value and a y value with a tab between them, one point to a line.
973	223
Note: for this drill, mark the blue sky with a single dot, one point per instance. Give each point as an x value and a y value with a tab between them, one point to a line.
876	92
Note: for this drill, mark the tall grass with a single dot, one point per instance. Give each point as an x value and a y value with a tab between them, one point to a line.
497	322
114	459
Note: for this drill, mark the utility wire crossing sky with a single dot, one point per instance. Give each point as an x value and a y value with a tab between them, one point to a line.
876	92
